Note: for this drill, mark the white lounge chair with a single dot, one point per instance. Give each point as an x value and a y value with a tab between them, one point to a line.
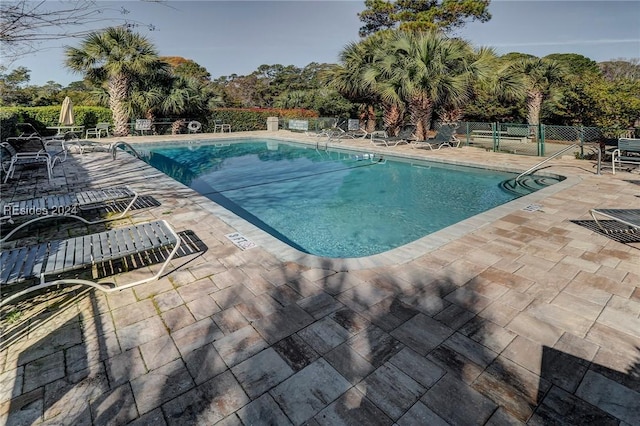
353	131
327	131
628	217
66	205
23	158
27	132
51	259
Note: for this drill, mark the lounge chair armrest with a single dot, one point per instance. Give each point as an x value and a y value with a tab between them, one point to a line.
378	134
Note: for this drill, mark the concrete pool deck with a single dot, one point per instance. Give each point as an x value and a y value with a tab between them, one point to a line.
526	315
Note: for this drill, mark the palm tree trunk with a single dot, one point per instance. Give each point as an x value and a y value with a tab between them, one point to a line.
150	115
392	117
370	119
117	88
534	106
421	109
451	115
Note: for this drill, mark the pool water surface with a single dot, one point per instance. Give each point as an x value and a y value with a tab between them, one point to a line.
339	204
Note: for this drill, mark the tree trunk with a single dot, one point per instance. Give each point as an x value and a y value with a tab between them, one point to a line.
421	110
177	126
534	106
370	119
393	116
451	115
150	115
117	89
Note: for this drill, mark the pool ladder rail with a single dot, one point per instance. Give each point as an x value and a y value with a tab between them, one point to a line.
376	159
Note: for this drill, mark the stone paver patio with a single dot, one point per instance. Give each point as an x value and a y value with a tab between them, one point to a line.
516	316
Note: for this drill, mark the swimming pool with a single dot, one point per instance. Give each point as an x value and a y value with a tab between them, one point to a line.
335	203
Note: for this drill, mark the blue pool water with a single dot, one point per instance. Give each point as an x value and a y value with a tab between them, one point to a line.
334	204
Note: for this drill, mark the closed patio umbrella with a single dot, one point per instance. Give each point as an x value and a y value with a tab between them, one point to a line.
66	113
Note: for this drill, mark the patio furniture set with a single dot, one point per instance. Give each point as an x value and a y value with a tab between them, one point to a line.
28	268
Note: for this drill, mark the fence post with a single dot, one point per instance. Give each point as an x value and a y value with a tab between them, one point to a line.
541	131
468	138
496	146
581	138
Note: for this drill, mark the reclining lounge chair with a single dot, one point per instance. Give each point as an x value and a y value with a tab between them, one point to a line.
27	157
56	257
444	137
404	136
66	205
329	131
27	132
353	131
628	217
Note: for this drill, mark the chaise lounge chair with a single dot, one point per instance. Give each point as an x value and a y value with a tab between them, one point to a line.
66	205
628	217
444	137
29	157
331	131
27	132
404	136
353	131
56	257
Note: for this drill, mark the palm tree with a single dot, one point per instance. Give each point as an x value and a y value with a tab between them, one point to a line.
430	71
114	57
291	99
350	78
540	77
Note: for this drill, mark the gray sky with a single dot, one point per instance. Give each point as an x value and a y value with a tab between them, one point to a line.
235	37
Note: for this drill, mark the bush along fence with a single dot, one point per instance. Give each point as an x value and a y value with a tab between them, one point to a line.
516	138
42	117
241	119
539	140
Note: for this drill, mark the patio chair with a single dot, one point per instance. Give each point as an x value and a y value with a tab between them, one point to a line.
353	131
444	137
27	132
323	132
13	158
404	136
628	217
101	129
66	205
51	259
220	125
143	125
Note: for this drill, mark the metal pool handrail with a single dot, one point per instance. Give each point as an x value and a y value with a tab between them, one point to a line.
534	168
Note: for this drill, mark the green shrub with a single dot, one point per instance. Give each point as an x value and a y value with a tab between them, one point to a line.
46	116
248	119
241	119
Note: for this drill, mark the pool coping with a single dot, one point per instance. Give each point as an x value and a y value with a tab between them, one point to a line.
396	256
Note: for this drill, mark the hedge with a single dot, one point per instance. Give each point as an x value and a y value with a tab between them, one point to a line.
43	117
241	119
247	119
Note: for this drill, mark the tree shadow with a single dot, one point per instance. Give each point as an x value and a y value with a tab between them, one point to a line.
348	348
411	344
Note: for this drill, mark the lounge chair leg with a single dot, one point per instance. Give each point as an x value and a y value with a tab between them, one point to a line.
95	285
